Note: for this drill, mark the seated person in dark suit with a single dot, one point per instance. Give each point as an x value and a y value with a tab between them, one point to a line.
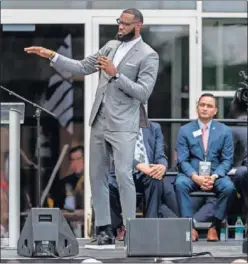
204	154
69	195
238	110
150	166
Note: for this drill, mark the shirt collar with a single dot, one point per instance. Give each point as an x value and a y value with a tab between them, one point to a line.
201	125
131	43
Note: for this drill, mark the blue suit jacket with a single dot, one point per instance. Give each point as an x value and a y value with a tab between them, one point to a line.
190	149
154	144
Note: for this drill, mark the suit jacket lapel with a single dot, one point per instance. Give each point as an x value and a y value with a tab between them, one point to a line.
113	51
198	138
129	54
144	122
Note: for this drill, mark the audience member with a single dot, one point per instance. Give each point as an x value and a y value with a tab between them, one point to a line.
204	155
69	194
238	110
4	187
202	207
150	166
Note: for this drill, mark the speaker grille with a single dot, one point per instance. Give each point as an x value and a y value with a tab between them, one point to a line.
159	237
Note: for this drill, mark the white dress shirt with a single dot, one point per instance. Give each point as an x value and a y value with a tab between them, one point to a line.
123	49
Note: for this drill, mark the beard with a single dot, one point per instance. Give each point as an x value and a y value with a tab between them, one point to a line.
127	37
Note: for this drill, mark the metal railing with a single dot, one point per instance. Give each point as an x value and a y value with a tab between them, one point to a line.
184	121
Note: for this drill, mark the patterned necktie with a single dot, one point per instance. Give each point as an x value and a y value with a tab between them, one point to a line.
140	149
205	137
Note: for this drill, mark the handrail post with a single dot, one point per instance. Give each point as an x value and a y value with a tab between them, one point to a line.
14	177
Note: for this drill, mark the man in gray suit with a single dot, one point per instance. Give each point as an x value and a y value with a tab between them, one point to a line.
128	68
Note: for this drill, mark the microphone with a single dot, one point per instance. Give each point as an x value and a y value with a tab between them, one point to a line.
106	53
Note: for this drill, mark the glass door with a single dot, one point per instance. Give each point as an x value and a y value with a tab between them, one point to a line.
174	95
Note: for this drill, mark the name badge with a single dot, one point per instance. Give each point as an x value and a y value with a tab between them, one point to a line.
197	133
204	168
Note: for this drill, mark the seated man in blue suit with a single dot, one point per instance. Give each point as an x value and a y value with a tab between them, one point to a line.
204	143
150	166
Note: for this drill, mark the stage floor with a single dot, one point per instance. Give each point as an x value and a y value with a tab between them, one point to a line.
223	252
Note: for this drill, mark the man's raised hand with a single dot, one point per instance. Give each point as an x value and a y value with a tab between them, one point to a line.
106	65
43	52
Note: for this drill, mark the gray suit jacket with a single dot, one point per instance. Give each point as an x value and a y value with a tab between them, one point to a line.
138	72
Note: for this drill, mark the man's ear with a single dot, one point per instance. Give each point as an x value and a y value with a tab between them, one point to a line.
216	111
196	108
138	26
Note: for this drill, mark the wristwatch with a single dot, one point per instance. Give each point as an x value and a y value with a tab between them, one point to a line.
215	175
116	76
52	55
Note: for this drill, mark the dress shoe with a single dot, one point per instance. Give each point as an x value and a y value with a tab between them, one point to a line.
212	235
104	240
121	232
195	235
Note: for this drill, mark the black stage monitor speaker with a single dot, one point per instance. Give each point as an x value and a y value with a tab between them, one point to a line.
162	237
47	233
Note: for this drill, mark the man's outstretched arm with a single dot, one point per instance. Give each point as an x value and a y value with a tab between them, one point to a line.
78	67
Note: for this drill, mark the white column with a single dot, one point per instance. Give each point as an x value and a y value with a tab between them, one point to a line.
14	177
89	94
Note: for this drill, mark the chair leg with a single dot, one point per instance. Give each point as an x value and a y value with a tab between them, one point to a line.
226	229
144	205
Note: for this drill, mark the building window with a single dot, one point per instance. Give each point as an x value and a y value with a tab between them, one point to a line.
224	52
223	104
101	4
225	6
144	4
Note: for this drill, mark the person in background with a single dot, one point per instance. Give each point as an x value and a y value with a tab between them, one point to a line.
150	167
25	203
69	192
238	110
203	208
4	187
204	156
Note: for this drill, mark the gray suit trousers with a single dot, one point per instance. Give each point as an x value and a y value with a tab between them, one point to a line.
105	147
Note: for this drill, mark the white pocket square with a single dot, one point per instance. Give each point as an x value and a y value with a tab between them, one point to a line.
130	64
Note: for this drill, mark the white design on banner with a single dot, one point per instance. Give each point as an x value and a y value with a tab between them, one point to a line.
61	101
